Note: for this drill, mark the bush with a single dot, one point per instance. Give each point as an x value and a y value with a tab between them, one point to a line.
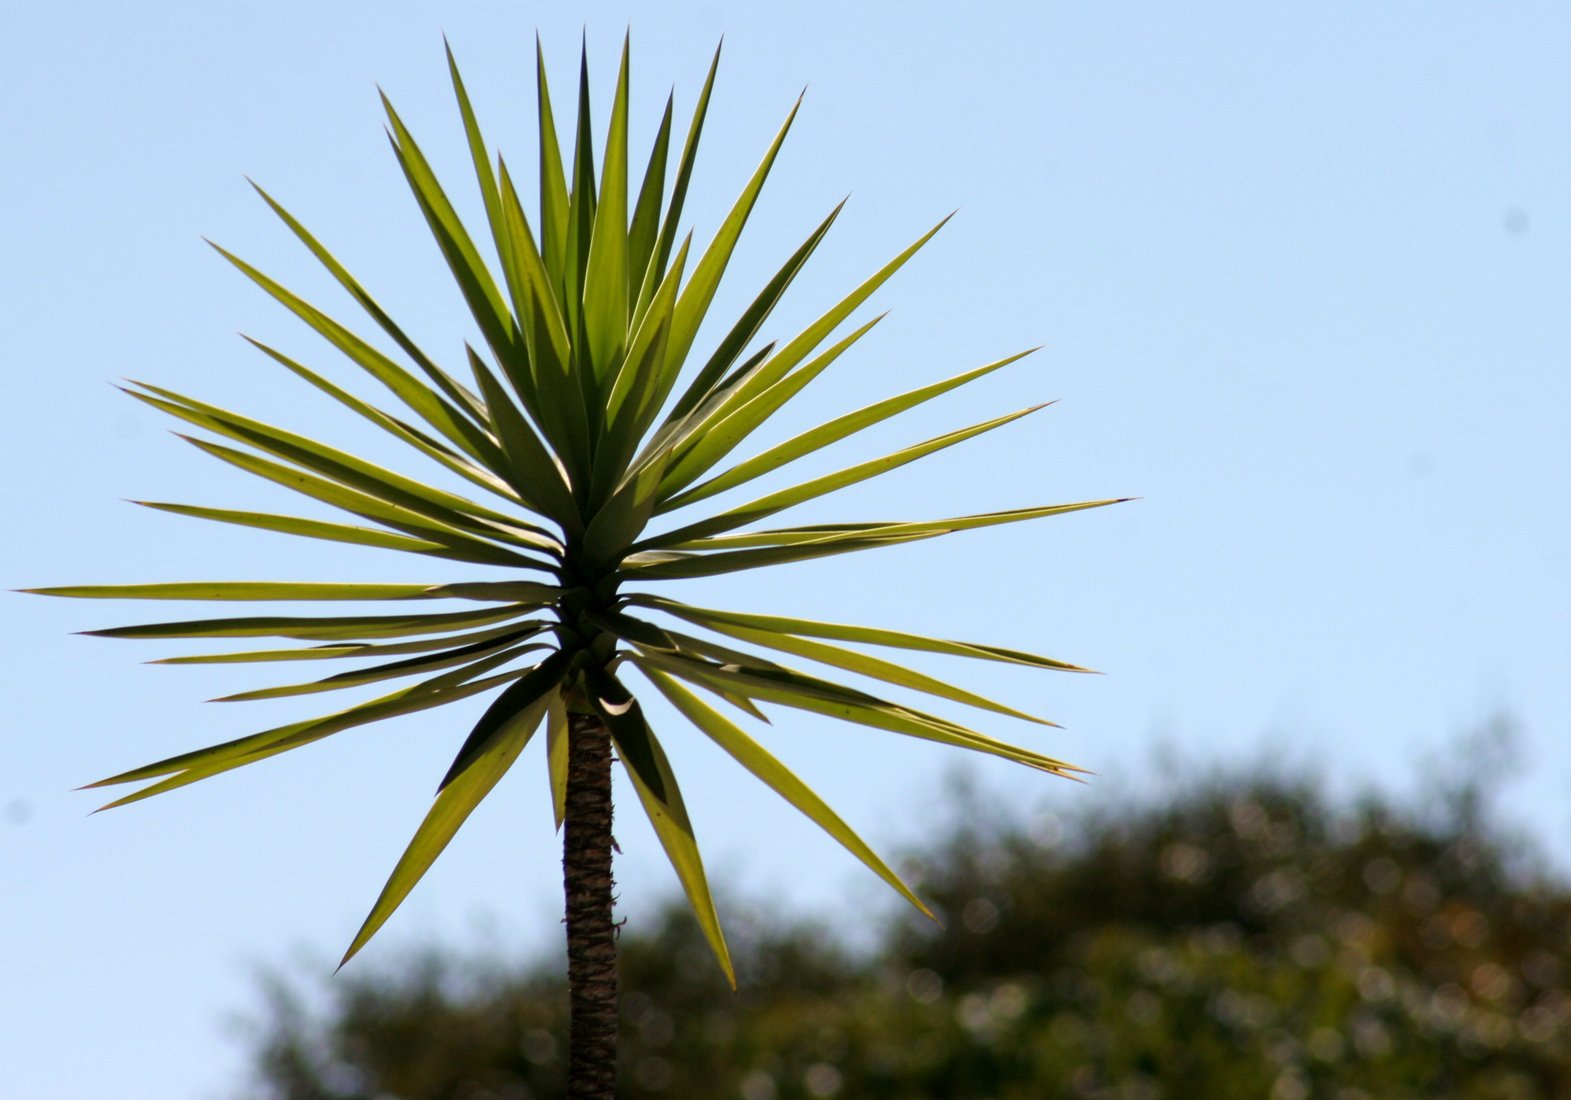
1244	939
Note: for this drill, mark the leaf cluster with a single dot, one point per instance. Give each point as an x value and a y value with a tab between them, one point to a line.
588	439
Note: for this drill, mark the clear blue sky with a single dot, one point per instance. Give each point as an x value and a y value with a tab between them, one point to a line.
1302	275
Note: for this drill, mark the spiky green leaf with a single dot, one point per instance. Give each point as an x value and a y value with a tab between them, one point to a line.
655	783
452	808
756	759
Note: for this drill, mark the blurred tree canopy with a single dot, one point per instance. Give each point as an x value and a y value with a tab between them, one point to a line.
1242	939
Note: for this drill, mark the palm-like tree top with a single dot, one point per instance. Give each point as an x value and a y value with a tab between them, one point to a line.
591	433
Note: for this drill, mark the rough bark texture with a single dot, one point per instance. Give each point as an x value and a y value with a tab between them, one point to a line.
591	932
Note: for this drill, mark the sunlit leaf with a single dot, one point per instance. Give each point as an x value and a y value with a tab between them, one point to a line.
711	449
869	635
782	499
452	808
605	272
460	397
793	689
430	408
315	628
340	532
340	650
410	666
556	755
463	260
191	767
655	783
756	759
873	667
830	432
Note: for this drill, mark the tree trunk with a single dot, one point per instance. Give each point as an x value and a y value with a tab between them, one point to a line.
591	932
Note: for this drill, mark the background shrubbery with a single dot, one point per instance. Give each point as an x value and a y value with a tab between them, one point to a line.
1241	940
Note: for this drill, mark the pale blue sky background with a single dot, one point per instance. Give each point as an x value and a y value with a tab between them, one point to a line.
1301	271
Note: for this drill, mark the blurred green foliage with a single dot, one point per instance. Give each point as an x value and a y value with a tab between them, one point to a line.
1239	940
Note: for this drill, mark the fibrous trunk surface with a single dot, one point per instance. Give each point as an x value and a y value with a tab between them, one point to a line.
591	931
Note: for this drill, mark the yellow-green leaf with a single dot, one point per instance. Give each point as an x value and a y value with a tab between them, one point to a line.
452	808
756	759
655	783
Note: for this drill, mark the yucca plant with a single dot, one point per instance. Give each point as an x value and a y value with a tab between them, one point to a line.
591	435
